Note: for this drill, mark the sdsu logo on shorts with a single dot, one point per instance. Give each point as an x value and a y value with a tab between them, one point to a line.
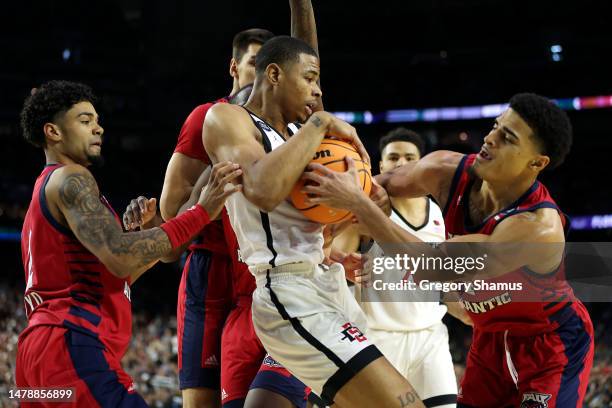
352	333
535	400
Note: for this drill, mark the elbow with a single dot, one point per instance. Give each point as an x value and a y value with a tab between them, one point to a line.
117	269
166	212
262	197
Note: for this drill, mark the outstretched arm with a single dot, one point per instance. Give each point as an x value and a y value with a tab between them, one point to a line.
304	27
522	240
74	192
303	24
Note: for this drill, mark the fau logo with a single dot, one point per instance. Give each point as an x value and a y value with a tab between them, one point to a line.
535	400
352	333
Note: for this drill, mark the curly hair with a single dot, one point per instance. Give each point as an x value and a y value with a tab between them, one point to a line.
51	99
401	134
550	125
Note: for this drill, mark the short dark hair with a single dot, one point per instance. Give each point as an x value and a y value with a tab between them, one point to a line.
243	39
401	134
47	102
281	50
550	125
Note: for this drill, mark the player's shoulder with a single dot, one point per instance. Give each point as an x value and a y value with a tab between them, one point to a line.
228	114
73	176
542	225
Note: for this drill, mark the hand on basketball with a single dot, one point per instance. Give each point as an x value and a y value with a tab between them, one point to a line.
340	129
334	189
220	186
139	212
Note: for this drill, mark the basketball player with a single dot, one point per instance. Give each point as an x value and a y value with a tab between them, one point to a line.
535	353
303	313
409	331
205	291
225	292
78	262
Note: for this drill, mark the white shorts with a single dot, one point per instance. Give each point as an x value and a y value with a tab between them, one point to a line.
308	320
423	358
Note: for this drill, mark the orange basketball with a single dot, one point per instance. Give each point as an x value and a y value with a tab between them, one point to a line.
331	154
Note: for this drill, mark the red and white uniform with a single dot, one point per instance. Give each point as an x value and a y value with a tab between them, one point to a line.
79	314
533	346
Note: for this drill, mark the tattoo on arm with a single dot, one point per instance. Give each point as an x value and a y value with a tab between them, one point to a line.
315	121
407	399
96	227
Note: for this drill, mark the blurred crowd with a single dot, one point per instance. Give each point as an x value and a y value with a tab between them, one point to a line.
151	359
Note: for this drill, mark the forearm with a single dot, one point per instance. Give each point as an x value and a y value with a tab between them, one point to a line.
303	25
270	179
394	240
397	181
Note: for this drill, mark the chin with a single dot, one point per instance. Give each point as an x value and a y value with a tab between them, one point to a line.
96	161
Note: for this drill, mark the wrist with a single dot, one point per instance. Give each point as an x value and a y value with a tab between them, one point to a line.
320	120
358	205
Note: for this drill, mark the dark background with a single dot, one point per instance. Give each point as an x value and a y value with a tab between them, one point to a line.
152	62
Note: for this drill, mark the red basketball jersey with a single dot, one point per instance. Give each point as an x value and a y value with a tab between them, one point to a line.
66	285
542	303
190	144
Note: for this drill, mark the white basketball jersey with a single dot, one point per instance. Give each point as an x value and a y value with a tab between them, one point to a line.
281	236
412	313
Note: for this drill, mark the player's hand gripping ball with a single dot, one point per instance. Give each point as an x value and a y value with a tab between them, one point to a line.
331	154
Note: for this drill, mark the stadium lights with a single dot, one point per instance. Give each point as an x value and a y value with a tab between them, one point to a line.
463	112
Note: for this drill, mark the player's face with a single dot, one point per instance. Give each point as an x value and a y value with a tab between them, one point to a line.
81	134
509	150
245	68
299	90
396	154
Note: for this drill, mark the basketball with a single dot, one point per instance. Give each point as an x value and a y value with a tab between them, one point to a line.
331	154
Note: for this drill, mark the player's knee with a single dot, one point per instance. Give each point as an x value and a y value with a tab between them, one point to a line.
388	388
262	398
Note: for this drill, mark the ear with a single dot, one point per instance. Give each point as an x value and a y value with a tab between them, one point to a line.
52	132
380	166
274	73
233	68
539	163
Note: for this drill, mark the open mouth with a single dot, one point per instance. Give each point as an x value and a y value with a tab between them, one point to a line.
310	107
483	154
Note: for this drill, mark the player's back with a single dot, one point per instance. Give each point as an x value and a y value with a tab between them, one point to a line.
66	285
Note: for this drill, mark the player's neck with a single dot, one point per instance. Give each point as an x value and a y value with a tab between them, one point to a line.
267	110
412	209
55	157
497	196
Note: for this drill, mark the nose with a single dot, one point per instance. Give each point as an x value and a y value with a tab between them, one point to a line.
491	137
99	130
401	162
316	91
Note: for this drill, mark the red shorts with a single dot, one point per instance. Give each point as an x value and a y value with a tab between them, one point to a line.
204	302
53	356
241	353
545	370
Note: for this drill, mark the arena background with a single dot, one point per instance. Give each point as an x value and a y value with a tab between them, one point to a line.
151	62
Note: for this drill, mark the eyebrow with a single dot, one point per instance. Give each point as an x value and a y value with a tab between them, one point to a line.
510	132
506	129
91	115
